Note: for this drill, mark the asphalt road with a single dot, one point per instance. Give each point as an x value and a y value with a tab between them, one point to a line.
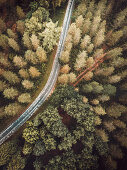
4	135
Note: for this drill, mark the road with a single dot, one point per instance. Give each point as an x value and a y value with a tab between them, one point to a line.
4	135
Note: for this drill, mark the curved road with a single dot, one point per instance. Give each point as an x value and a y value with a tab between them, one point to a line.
4	135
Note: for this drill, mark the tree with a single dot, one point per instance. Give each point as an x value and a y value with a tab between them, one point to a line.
105	71
30	56
65	69
72	29
66	160
77	109
27	148
116	152
27	84
93	87
4	60
30	133
35	41
39	148
11	77
77	37
34	72
65	56
99	110
81	60
10	93
101	133
53	122
85	42
116	109
90	61
2	26
12	109
3	85
72	77
100	37
79	21
16	162
13	44
61	92
50	35
109	90
95	25
63	79
48	139
20	12
6	151
26	40
20	26
19	61
24	73
41	54
4	41
11	34
24	98
86	25
114	79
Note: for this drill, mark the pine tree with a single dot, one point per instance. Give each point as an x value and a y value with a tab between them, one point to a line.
34	72
35	41
11	77
41	54
24	98
2	26
12	109
20	12
20	26
19	61
10	93
27	84
13	44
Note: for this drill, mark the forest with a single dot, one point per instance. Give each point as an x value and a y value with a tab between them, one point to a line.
83	123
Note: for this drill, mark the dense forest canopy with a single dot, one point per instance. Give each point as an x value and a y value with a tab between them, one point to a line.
83	124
